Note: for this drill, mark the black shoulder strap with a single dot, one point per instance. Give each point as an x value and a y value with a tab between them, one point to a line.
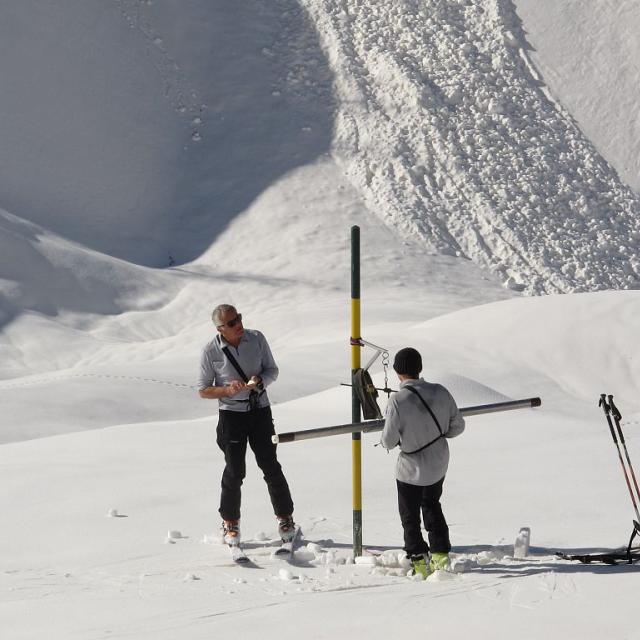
428	408
241	373
235	363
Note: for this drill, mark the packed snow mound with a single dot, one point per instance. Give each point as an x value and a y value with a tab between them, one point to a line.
569	349
47	274
449	133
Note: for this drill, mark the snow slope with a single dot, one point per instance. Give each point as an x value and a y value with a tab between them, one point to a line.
146	143
140	129
590	64
147	350
449	133
240	141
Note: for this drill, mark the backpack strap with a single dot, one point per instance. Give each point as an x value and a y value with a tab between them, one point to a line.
428	408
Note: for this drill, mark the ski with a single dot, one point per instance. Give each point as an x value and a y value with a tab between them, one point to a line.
611	557
287	549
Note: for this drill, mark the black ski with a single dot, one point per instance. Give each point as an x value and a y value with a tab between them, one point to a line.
610	557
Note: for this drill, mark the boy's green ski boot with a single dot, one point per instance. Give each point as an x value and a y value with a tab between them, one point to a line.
438	562
420	566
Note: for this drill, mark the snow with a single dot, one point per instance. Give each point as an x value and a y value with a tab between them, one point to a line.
544	469
160	158
592	71
441	117
522	543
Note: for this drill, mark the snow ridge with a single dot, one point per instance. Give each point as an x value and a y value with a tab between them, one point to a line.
449	135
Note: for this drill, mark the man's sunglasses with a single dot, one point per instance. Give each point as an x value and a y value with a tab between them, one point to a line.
232	323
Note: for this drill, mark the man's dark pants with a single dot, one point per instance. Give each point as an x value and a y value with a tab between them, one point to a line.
411	500
235	429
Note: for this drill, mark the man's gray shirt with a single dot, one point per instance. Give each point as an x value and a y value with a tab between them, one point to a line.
409	425
252	354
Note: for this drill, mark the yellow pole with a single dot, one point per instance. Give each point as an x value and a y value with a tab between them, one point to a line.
356	442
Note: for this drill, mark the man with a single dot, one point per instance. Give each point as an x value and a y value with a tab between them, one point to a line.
235	369
419	419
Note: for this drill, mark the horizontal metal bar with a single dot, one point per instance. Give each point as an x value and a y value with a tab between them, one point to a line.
345	384
377	425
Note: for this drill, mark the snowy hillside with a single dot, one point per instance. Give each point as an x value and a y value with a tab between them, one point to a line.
450	134
148	142
590	65
159	158
141	129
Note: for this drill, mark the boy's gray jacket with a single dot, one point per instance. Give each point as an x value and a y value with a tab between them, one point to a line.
409	425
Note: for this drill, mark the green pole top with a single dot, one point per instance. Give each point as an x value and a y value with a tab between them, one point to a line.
355	261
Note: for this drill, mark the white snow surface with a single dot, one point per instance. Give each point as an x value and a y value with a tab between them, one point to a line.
445	127
159	158
591	67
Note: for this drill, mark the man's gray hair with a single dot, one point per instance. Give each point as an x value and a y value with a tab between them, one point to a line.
219	311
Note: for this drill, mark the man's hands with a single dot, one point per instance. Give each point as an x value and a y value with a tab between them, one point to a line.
231	389
234	387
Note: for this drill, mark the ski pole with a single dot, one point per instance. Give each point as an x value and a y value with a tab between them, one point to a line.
617	417
607	410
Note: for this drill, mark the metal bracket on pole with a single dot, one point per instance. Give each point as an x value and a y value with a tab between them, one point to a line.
378	350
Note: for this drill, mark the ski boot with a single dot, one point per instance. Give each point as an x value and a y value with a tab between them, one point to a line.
286	528
420	566
231	532
438	562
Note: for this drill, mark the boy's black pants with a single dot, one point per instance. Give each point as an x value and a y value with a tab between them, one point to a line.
411	500
235	429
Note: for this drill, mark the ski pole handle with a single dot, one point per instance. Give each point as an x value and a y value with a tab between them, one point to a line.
614	410
607	412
